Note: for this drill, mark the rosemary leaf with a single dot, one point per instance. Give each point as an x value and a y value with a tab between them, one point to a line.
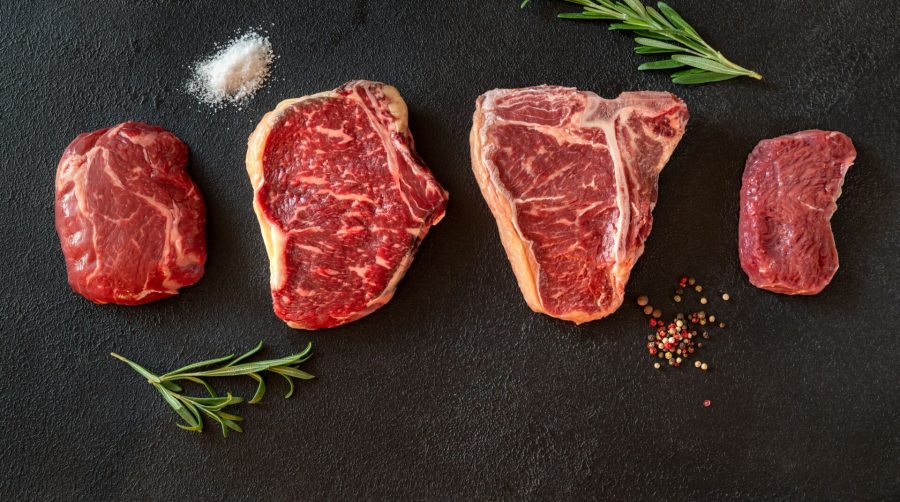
290	391
174	387
650	42
581	15
660	19
702	77
232	425
650	34
628	27
293	372
676	19
215	401
201	364
260	388
247	354
651	50
637	7
208	387
231	417
706	64
188	414
665	64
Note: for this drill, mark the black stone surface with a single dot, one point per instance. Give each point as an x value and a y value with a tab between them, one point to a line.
455	390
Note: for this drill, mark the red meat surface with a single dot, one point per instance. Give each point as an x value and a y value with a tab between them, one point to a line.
130	219
790	188
343	202
571	179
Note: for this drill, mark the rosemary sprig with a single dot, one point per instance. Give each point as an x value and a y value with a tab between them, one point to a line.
663	31
191	409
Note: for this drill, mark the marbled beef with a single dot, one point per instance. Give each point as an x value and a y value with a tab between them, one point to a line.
342	199
571	179
131	222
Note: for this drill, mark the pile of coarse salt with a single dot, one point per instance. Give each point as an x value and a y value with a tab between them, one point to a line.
234	73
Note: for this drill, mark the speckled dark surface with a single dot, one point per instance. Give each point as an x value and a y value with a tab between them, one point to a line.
455	389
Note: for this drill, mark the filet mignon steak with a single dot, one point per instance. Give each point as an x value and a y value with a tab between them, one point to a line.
790	188
571	179
342	199
130	219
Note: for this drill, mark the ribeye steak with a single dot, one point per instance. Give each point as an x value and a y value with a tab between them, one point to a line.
571	179
131	221
342	199
790	188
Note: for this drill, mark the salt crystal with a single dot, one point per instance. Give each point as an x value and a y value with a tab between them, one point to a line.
234	73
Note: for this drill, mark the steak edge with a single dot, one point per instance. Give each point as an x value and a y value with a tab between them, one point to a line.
571	179
342	200
789	193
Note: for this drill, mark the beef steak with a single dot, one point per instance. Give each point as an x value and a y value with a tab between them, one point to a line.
789	193
342	199
571	179
130	219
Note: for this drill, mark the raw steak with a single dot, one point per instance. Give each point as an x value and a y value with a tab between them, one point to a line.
790	188
343	202
571	180
130	219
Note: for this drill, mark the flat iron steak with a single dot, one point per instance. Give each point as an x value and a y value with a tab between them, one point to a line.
790	188
342	199
131	222
571	179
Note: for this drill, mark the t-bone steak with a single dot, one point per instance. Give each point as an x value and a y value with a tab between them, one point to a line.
342	199
790	189
131	221
571	179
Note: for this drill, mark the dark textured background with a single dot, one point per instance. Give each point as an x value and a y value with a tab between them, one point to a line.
455	389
